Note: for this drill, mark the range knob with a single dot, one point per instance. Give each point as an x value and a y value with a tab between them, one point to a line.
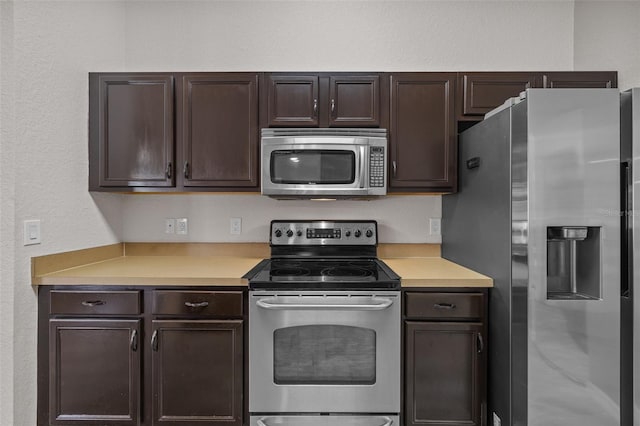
369	233
289	233
347	233
357	233
278	233
299	233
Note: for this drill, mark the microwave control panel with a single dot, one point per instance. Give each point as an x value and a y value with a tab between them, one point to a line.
376	167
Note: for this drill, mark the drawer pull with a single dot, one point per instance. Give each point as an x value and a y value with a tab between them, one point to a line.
448	306
134	340
196	304
93	302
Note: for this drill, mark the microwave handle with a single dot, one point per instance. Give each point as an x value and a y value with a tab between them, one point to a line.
364	150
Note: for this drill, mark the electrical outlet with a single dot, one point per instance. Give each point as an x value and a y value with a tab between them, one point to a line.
31	232
182	226
235	225
496	420
434	226
170	226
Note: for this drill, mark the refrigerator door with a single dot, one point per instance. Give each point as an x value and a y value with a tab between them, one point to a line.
573	308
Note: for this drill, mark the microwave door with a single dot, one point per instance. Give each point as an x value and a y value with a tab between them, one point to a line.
314	170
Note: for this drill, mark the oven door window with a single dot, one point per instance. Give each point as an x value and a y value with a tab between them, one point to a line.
320	167
324	355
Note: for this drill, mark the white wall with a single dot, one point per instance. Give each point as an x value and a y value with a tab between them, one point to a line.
607	36
400	218
47	48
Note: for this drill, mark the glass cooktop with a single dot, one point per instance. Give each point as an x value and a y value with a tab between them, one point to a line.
347	274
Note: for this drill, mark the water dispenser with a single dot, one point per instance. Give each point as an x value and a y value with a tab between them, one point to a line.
574	262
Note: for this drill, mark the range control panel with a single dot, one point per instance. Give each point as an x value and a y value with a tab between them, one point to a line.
324	232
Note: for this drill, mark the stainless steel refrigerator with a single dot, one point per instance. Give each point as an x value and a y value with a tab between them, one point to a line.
538	210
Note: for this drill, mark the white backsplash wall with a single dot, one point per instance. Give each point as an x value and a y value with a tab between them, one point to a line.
401	219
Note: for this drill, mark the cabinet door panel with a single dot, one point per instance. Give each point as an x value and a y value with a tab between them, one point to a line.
581	79
94	368
197	372
293	100
484	91
135	130
444	374
220	130
422	144
354	101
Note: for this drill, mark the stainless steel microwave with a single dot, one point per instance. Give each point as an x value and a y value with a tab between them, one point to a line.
324	163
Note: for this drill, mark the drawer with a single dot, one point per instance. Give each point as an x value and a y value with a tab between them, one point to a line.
444	305
95	302
213	303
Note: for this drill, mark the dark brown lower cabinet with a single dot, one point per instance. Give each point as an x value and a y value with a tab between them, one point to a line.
94	372
445	357
114	356
444	377
197	372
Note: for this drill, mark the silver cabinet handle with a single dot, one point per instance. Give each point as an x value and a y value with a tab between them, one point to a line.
315	107
196	304
154	341
92	303
269	304
185	170
480	343
444	306
167	172
395	168
333	106
133	342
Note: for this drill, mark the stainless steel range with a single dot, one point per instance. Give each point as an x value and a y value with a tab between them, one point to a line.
324	328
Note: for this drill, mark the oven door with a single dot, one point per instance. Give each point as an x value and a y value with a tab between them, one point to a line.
330	352
314	168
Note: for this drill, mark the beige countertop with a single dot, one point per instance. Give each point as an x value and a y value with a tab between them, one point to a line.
223	265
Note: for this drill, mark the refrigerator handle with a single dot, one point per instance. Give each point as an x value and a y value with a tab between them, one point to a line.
625	225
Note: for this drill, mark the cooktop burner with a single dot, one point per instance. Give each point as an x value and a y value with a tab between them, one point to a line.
312	255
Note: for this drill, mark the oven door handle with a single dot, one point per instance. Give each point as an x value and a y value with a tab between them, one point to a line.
269	304
263	421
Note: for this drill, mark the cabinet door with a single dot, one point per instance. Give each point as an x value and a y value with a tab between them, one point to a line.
422	133
354	101
581	79
94	372
293	100
483	91
131	130
220	130
444	367
197	372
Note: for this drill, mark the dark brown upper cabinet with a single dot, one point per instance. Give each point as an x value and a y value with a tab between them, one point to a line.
293	100
422	141
323	100
218	130
580	79
131	130
480	92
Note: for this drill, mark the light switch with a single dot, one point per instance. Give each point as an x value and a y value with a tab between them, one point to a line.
32	232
